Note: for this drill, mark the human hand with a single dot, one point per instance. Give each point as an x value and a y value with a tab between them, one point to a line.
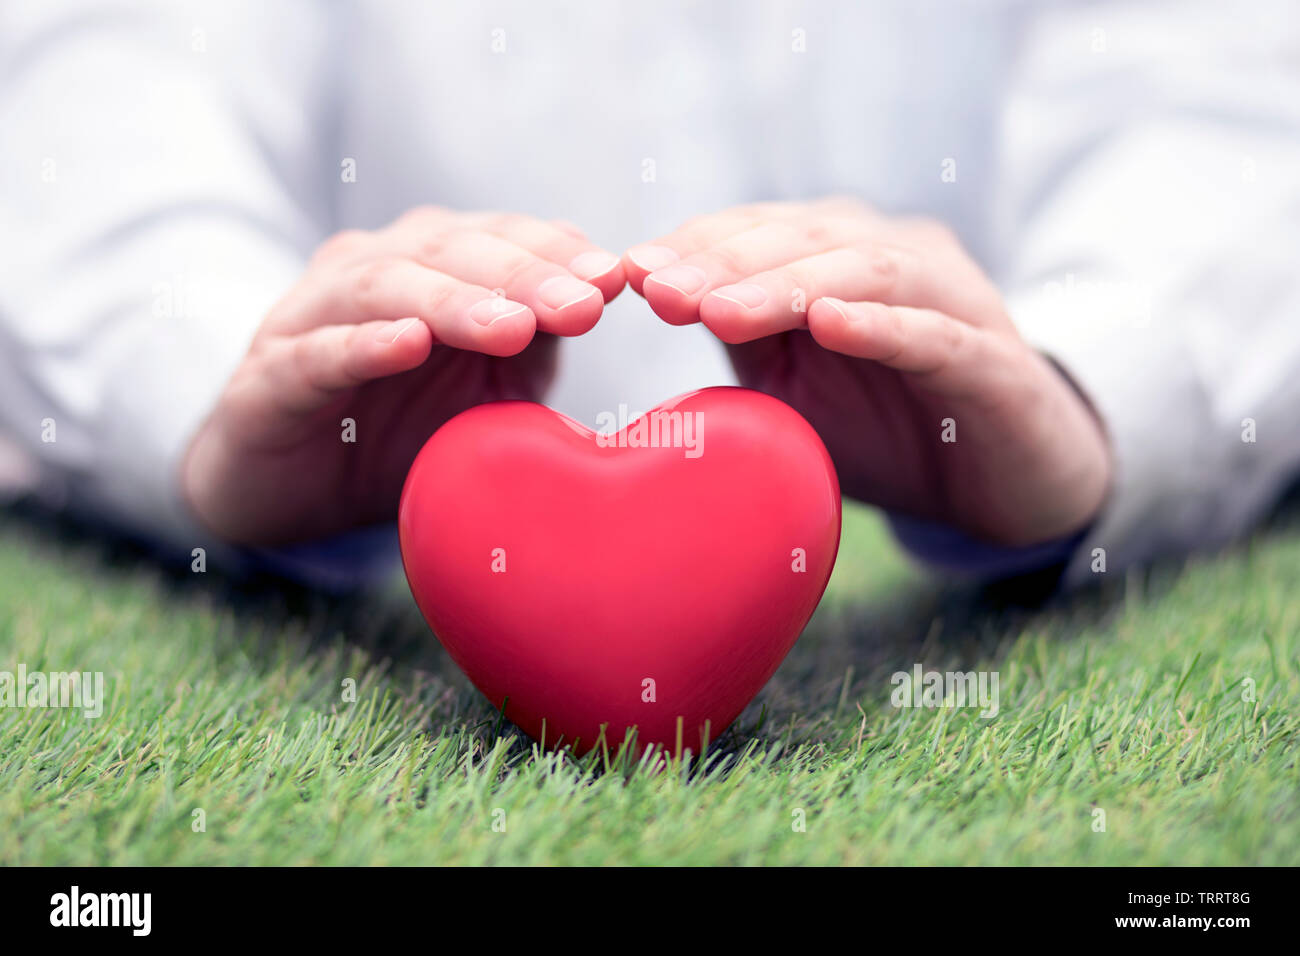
398	330
879	330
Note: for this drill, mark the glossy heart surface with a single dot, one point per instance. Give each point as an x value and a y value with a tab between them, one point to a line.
652	578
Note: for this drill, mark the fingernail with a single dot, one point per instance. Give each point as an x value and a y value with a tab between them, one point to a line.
559	292
746	294
685	279
592	265
651	258
488	311
840	306
394	331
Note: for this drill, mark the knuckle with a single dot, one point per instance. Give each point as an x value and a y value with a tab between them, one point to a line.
883	268
956	337
726	258
369	282
434	247
801	285
442	297
817	233
515	268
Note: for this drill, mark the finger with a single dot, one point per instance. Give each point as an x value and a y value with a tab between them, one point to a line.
350	245
776	300
572	228
562	303
566	247
696	235
675	291
304	372
428	233
459	314
949	356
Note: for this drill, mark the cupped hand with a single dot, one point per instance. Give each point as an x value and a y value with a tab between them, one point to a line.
394	331
894	344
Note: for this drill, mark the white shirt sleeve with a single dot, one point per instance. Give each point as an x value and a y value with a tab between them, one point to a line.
1152	197
154	166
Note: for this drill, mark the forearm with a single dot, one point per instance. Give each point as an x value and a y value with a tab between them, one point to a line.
1151	254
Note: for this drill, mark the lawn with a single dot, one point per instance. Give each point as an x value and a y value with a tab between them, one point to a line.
225	738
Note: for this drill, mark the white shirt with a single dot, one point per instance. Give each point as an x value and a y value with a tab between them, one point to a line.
1129	173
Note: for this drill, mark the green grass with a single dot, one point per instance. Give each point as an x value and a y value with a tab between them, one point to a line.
1127	699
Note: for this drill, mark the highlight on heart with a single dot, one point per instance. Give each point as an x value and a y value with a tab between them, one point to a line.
663	427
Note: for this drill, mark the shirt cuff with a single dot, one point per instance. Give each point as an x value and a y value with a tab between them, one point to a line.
946	547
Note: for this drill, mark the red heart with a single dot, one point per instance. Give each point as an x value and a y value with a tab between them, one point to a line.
565	570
